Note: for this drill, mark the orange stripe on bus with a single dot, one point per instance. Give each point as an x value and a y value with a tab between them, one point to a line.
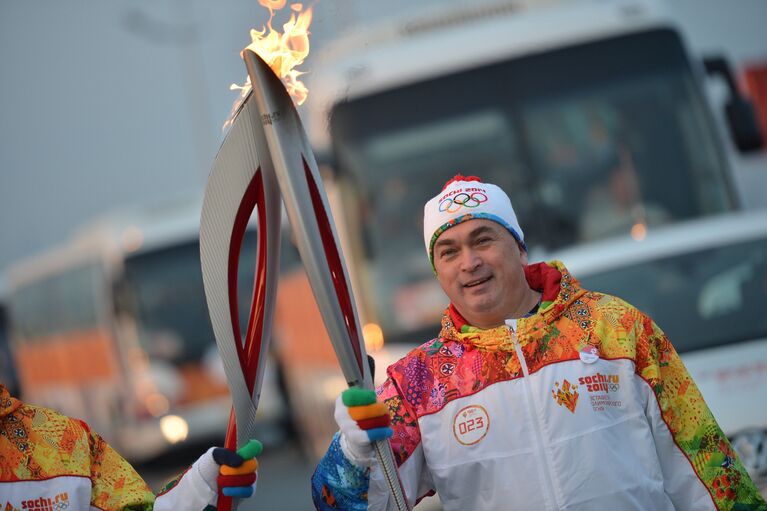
73	358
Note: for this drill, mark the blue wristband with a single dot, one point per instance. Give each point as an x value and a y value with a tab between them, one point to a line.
379	433
239	492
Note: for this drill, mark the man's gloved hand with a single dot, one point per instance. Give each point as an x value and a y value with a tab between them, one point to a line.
233	474
362	420
217	473
239	470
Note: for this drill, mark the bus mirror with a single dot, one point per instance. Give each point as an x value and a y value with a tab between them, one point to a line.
744	128
741	116
326	162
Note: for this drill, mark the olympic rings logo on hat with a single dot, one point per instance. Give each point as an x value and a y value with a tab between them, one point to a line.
453	204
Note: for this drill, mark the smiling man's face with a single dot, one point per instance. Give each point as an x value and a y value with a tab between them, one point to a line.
481	269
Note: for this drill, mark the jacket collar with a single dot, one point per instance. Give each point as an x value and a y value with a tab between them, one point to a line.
557	287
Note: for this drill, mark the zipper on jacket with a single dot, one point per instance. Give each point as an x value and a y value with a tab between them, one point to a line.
546	469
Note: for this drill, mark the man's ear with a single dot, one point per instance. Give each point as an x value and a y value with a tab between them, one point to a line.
523	255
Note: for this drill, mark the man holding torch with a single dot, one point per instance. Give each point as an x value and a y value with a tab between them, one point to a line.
537	393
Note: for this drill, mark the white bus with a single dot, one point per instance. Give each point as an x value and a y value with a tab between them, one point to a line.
113	328
590	113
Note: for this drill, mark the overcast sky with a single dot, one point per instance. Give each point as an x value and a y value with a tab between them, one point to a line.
104	103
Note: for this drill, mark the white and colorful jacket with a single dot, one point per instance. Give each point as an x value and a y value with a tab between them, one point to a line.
50	462
584	405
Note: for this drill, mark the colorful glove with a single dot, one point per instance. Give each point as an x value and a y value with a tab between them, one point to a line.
239	470
232	474
362	420
216	474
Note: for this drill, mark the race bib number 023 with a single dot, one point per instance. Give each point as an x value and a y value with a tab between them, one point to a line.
470	424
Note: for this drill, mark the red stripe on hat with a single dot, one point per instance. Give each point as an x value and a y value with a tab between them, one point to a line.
460	177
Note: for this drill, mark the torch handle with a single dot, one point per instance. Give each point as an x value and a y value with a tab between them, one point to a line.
385	458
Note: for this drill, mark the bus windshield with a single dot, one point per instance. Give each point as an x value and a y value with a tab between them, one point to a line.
700	299
590	141
60	303
165	293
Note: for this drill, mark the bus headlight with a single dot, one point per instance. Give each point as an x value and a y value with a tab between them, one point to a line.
373	336
174	428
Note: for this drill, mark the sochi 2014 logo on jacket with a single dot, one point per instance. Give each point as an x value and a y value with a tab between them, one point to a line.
601	389
58	503
566	394
599	382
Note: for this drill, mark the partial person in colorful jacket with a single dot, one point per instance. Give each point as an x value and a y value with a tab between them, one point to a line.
50	462
537	394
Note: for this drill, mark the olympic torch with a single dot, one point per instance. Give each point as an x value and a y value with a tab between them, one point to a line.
310	217
242	181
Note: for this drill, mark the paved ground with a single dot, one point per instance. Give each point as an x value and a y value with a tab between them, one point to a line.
283	483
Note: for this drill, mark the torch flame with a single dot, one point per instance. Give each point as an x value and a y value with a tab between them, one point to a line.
283	52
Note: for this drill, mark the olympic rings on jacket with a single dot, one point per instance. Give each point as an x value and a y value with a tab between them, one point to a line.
453	204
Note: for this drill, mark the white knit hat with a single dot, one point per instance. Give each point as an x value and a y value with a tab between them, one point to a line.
467	198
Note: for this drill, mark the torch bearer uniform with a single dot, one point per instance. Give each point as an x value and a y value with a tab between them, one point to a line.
50	462
583	405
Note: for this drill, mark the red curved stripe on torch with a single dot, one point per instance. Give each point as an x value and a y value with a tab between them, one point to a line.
254	194
334	260
253	337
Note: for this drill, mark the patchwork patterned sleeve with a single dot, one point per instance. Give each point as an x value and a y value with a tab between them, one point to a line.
340	485
700	468
116	485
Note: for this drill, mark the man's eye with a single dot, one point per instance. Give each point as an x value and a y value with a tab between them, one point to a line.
483	240
447	252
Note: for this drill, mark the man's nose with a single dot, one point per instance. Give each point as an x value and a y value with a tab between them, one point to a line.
470	260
